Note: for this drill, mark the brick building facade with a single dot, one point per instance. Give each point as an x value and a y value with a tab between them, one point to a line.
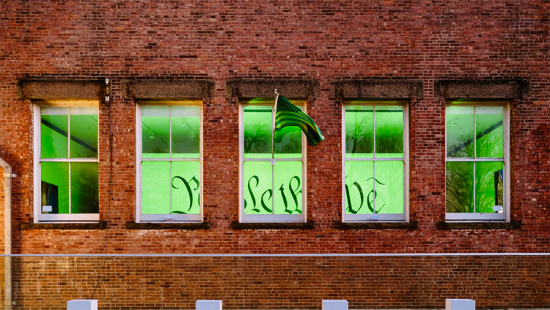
326	54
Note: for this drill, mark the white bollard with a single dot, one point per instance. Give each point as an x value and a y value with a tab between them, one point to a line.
82	304
460	304
335	305
208	305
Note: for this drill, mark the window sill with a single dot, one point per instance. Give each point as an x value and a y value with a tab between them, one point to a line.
376	225
183	226
479	225
308	225
62	226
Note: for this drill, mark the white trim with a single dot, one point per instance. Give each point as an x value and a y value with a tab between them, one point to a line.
183	218
270	218
382	217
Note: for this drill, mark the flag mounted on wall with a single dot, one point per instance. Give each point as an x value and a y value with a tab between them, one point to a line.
290	115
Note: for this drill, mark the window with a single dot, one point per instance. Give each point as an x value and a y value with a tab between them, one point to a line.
477	169
270	192
66	163
375	170
169	148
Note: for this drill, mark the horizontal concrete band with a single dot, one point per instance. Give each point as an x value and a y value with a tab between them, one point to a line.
482	89
282	255
167	89
60	89
265	88
376	88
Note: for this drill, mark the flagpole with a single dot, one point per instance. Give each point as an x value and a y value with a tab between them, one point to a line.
273	129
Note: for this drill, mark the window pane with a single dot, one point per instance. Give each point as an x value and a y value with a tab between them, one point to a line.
460	131
388	194
489	186
389	131
359	187
257	187
84	188
288	187
288	142
258	125
186	178
186	135
155	187
359	132
84	132
155	132
460	187
55	187
489	132
54	130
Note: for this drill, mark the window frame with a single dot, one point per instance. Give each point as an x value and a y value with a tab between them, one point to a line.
483	217
270	218
162	218
37	161
395	217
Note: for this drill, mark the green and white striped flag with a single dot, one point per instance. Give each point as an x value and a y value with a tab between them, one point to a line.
291	115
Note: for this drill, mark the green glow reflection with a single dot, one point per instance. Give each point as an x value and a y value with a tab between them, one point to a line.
258	189
155	187
186	187
288	187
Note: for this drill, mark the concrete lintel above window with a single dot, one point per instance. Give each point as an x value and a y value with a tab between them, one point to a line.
482	89
376	88
61	89
265	88
167	89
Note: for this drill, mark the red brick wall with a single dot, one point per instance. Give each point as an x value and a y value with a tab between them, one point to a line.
322	40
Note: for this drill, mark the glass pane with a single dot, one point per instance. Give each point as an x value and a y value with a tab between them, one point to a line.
155	132
359	187
186	190
84	188
257	187
489	186
389	131
288	187
155	187
186	135
489	132
460	187
388	187
54	130
55	187
359	132
258	125
288	142
460	131
84	132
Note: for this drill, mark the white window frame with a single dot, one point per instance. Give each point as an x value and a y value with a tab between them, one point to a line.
270	218
399	217
484	217
37	160
182	218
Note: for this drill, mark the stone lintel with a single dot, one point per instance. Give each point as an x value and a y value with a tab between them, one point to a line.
376	89
259	88
482	89
60	89
167	89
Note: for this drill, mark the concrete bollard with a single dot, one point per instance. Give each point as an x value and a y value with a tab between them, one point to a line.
82	304
460	304
208	305
335	305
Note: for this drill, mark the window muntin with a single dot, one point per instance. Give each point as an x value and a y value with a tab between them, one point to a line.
477	161
170	158
270	193
375	160
66	163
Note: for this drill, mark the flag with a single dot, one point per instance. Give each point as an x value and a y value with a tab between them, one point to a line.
290	115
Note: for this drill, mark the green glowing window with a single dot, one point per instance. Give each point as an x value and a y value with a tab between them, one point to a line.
271	190
477	165
66	159
375	160
169	176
